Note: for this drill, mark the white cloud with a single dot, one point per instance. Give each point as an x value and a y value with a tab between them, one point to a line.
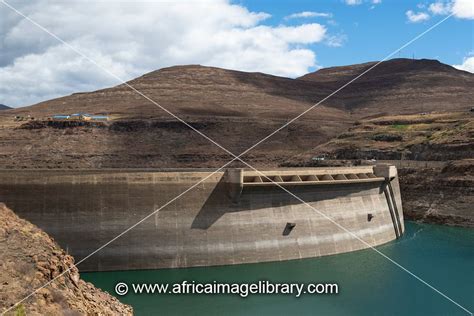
463	9
308	14
353	2
336	40
303	34
416	17
131	39
439	8
372	3
467	65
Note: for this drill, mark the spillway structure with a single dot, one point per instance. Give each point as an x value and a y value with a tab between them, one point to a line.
233	216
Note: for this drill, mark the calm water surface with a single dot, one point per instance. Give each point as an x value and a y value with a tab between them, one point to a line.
368	283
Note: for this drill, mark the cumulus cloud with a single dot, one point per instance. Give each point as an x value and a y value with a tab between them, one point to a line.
130	39
308	14
439	8
416	17
467	65
463	9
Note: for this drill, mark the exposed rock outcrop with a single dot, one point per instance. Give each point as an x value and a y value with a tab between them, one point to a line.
440	195
29	259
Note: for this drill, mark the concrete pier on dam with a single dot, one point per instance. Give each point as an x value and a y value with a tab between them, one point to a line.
234	216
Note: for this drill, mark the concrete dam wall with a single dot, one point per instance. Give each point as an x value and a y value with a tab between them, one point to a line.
234	216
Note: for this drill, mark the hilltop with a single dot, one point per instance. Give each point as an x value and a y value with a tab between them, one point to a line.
398	86
234	108
193	90
4	107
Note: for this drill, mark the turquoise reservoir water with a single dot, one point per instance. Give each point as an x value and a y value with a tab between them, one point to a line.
368	283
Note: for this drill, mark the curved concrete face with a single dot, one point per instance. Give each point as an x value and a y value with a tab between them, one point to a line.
224	220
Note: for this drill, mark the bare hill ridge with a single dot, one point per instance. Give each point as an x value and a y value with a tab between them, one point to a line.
194	90
398	66
398	86
234	108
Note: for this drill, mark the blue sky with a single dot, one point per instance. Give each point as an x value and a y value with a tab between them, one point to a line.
373	31
128	39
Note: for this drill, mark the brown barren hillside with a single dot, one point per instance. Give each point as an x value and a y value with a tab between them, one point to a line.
196	91
398	86
236	109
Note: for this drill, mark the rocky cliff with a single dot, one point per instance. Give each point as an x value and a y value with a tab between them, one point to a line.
440	195
29	259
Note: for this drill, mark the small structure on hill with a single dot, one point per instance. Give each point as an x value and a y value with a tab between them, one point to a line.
80	117
60	117
99	118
